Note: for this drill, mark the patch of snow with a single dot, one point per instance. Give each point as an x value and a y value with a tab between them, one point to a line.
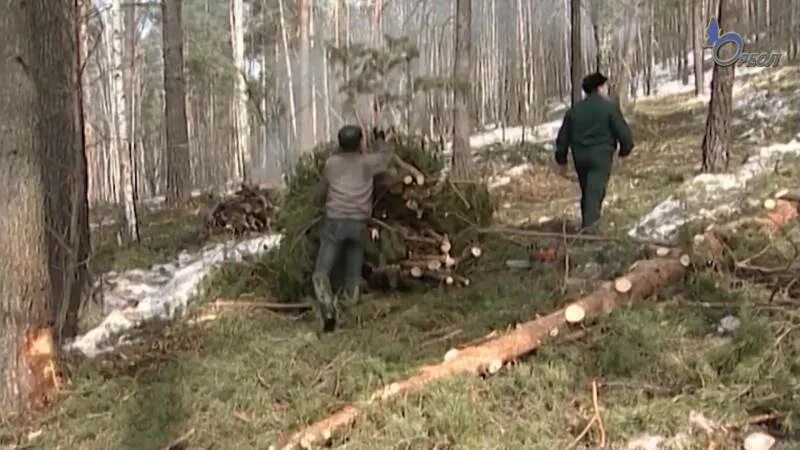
505	178
709	196
137	297
666	83
539	133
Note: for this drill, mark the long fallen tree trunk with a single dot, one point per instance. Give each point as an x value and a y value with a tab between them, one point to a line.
645	278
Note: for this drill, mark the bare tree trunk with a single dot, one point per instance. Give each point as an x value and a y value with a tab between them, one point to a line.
129	80
461	116
38	46
305	139
240	118
794	31
67	214
716	143
128	216
683	21
288	62
178	165
576	55
698	27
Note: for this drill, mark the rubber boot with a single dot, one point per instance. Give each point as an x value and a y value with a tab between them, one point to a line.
326	302
352	293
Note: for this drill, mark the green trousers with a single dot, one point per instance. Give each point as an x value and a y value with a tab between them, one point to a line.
341	242
593	166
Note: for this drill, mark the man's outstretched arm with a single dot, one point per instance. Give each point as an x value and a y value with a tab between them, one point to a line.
622	132
382	153
563	140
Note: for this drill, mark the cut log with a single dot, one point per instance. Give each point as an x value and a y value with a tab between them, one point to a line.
622	285
710	245
451	354
476	252
419	177
449	261
648	278
782	193
574	314
446	246
686	260
770	203
662	252
417	272
784	212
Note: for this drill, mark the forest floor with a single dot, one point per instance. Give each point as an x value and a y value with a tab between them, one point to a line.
240	380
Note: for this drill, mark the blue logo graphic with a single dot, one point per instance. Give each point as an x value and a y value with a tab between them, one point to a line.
715	41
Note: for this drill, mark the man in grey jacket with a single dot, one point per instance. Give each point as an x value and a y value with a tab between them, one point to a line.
348	177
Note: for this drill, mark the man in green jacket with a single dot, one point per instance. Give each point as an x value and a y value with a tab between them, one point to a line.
593	128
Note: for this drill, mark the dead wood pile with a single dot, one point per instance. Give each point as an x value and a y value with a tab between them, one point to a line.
424	229
249	209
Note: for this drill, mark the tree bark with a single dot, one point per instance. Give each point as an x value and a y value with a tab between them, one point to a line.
305	139
128	216
716	143
178	165
462	119
67	207
575	65
38	77
241	119
288	63
697	39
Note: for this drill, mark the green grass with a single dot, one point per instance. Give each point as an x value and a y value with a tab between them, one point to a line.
241	380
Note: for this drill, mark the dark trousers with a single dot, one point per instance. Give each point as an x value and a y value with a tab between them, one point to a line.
593	167
342	241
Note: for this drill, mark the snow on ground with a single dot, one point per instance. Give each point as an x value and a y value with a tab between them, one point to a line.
709	196
539	133
665	82
505	178
160	293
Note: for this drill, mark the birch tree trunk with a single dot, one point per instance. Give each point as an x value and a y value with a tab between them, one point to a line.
241	122
716	143
288	62
461	116
38	45
178	164
305	140
128	217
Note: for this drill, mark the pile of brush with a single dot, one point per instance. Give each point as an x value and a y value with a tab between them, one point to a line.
424	229
249	209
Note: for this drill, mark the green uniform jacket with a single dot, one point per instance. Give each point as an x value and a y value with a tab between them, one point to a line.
593	128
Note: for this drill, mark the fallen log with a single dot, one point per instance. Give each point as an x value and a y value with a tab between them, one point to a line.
646	278
779	213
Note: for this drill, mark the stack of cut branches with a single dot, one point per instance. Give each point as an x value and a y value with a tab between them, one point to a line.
424	228
248	210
